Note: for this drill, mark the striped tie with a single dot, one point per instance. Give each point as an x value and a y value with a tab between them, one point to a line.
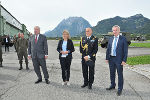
114	48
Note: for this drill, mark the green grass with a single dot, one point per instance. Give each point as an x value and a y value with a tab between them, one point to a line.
76	45
138	60
75	40
145	45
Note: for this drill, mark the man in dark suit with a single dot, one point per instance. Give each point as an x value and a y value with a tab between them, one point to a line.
38	51
7	42
88	49
116	56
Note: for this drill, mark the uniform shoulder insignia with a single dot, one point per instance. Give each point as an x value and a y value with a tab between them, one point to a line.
83	37
94	54
93	38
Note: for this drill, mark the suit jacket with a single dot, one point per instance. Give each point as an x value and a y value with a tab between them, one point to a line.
121	49
92	47
39	49
70	48
7	39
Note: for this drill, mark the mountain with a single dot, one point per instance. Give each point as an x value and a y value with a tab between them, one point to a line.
134	24
75	25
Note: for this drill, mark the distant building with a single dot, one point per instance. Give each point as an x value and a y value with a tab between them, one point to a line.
10	25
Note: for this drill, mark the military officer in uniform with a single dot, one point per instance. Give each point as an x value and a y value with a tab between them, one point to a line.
1	59
22	46
17	38
88	49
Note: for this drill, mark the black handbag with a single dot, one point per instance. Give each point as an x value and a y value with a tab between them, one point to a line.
89	63
11	44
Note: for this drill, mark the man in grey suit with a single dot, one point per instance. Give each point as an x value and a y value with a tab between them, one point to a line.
38	51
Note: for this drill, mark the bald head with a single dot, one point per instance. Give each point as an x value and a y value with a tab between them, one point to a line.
88	32
36	30
21	35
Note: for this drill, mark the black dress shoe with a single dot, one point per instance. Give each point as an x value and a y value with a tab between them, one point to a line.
110	88
47	81
20	68
38	81
119	92
84	85
90	87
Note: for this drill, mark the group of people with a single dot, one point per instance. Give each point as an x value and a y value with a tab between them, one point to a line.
5	40
116	56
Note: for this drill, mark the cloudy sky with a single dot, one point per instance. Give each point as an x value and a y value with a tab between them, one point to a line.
48	13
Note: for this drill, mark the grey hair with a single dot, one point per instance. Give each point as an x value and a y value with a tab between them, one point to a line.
37	27
116	26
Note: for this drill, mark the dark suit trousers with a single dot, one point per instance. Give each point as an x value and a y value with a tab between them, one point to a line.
1	59
88	73
113	66
37	62
6	46
65	66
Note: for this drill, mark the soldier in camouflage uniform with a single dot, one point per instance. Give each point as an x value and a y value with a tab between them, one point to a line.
17	38
22	45
1	59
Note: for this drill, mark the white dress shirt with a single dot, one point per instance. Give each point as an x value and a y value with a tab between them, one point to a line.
37	37
87	39
6	40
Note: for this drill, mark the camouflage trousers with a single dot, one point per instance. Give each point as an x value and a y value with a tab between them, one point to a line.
22	54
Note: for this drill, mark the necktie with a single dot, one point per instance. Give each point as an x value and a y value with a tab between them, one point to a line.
88	39
115	45
36	39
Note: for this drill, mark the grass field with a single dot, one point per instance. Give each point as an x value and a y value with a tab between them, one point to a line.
75	40
76	45
138	60
145	45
